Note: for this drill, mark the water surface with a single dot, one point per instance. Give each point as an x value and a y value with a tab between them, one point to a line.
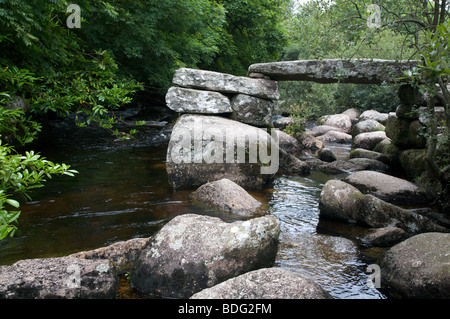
122	192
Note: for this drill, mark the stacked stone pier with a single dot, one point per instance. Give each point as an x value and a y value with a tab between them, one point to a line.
223	130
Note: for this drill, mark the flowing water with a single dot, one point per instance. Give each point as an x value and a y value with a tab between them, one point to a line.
122	192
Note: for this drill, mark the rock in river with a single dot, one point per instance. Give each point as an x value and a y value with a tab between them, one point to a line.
418	267
208	148
342	201
267	283
388	188
227	196
193	252
58	278
341	121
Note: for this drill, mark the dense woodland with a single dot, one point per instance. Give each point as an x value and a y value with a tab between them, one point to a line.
125	50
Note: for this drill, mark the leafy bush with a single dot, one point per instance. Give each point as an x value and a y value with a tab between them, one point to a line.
19	174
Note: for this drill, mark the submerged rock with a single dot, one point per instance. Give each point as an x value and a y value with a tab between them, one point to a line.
58	278
227	196
193	252
267	283
385	237
418	267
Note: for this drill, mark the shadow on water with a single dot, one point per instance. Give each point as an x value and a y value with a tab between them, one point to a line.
122	192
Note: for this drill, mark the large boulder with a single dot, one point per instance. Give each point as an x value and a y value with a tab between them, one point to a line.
208	148
184	100
368	140
341	201
267	283
367	126
374	115
226	196
252	110
291	165
359	71
226	83
331	137
322	129
310	143
289	143
388	188
353	114
418	267
58	278
341	121
193	252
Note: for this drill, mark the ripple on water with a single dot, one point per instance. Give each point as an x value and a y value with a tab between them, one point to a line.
333	262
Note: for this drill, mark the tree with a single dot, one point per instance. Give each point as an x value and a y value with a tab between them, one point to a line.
425	26
253	33
432	76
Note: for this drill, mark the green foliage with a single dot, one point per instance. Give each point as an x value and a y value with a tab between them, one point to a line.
300	113
338	29
318	99
432	75
19	174
150	39
253	33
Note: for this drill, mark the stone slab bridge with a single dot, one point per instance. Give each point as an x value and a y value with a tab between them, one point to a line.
357	71
224	118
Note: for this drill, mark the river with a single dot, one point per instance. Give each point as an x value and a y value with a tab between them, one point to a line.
122	192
